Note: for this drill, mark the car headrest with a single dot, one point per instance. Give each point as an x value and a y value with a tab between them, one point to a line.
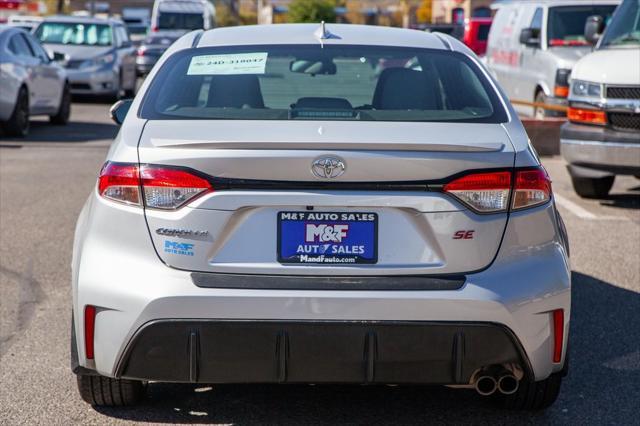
403	88
235	91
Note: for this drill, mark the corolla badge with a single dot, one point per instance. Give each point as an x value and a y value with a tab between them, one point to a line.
328	167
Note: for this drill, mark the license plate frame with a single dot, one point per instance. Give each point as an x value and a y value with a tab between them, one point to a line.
362	223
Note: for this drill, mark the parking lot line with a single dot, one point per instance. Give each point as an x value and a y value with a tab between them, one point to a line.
581	212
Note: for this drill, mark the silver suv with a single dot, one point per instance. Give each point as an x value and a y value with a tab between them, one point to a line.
311	204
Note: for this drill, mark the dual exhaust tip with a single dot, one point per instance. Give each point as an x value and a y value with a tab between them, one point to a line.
505	383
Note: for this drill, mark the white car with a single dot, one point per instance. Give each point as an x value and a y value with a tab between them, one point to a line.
320	204
31	82
602	138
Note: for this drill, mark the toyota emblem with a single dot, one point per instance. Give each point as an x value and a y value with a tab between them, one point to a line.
328	167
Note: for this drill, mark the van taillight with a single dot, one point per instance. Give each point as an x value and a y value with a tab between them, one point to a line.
489	192
159	187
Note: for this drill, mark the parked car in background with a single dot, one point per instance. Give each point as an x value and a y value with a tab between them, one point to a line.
476	34
533	46
602	138
101	58
25	22
150	51
181	16
31	82
138	23
330	225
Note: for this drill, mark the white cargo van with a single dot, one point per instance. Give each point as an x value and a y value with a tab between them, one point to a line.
602	138
182	16
533	45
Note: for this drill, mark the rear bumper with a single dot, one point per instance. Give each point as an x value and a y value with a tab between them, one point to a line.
526	282
215	351
600	148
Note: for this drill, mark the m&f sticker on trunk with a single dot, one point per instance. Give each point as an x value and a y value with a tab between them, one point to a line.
231	64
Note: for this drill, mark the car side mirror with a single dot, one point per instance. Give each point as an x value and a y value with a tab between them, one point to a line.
530	37
57	56
125	44
593	28
118	111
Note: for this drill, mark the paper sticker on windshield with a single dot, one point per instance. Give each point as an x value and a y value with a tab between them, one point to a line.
239	63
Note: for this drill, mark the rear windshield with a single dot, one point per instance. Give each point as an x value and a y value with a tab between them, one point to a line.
84	34
308	82
180	21
566	23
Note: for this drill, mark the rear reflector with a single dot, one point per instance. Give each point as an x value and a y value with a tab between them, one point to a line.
532	187
590	116
166	188
89	330
483	192
558	334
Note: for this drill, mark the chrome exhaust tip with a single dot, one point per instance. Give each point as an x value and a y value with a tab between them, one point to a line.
486	385
508	384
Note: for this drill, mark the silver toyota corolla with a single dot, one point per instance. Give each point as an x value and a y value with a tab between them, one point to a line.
311	204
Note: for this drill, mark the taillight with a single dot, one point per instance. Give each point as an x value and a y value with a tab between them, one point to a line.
162	187
590	116
141	50
483	192
154	29
169	188
120	182
489	192
532	187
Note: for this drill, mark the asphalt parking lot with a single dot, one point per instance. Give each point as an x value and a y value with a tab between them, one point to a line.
45	179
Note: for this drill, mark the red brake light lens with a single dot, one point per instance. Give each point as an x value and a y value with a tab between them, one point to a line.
532	188
164	188
483	192
120	182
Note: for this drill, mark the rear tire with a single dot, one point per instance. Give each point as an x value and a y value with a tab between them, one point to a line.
18	123
533	396
592	187
101	391
61	118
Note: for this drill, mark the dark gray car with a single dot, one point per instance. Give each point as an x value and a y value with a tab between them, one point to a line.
150	51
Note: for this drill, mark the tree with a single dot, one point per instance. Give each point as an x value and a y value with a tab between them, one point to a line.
312	11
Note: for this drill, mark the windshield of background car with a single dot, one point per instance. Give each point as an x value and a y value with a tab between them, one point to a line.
180	21
308	82
483	32
624	28
75	33
566	23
